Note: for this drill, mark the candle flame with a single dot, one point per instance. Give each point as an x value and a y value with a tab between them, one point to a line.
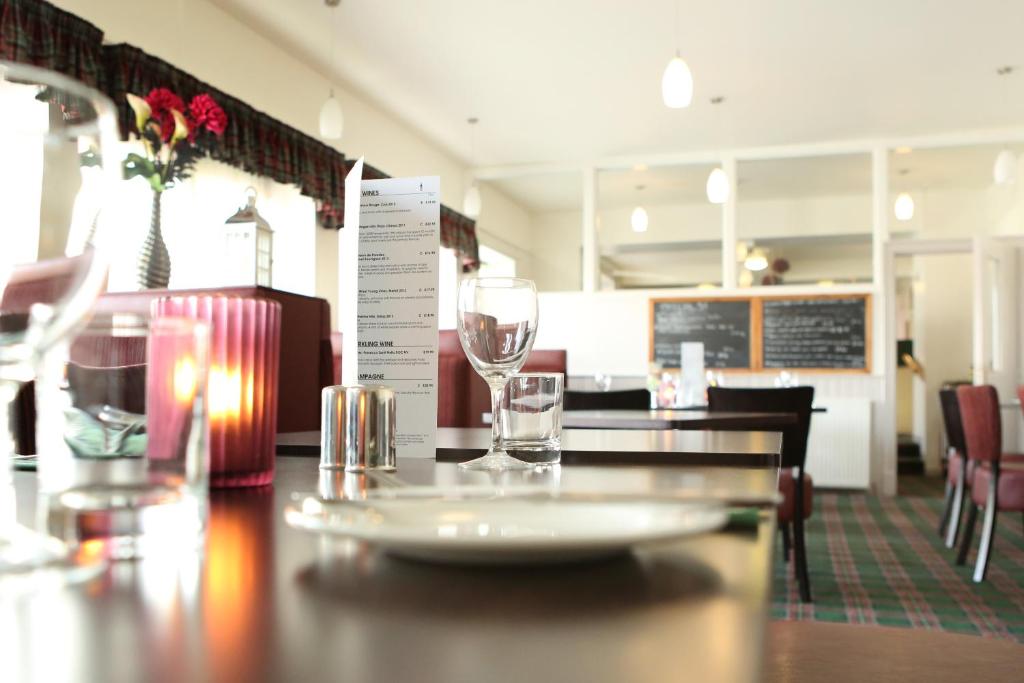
184	380
225	393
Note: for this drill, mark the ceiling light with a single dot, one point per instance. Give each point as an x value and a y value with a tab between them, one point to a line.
904	207
639	168
741	251
826	283
332	121
904	150
677	84
756	260
706	285
1005	170
638	220
718	187
471	202
746	278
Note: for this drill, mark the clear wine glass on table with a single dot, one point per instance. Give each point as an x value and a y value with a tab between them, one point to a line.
56	173
497	319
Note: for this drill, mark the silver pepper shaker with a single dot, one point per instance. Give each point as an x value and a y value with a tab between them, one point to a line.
357	428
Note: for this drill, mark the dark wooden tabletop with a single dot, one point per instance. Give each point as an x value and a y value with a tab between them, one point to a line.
264	602
602	446
676	419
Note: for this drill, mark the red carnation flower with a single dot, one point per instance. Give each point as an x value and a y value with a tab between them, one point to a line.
162	101
204	112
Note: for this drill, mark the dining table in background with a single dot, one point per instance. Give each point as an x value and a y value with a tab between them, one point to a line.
265	602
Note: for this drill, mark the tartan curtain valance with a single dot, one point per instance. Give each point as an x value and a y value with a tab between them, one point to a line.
253	141
457	231
37	33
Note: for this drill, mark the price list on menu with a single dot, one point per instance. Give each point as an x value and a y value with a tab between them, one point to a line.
388	286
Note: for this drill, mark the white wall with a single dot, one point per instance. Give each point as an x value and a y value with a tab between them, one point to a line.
556	250
942	325
506	226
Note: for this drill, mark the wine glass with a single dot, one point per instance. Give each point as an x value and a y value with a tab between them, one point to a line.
55	175
497	326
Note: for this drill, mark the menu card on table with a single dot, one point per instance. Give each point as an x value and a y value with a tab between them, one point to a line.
388	277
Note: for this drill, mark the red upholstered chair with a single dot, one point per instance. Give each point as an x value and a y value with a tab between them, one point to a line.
998	485
796	489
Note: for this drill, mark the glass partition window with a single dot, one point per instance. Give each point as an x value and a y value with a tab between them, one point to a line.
804	220
657	228
950	192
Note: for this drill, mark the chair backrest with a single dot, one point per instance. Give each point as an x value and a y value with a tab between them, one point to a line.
798	400
983	427
625	399
951	420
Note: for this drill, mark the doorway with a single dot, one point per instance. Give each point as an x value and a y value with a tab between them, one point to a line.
934	337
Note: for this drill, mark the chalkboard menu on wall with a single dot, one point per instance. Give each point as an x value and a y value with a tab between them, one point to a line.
723	326
815	332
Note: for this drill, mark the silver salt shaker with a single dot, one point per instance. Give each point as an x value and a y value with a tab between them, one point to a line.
357	428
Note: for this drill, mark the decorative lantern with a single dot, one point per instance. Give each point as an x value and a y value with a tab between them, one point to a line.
248	246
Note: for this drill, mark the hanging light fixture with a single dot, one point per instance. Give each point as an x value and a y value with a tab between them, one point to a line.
903	207
1004	172
471	201
718	180
638	220
332	120
756	260
718	186
677	81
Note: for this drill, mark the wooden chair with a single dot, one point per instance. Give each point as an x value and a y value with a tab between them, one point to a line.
626	399
998	485
957	475
797	491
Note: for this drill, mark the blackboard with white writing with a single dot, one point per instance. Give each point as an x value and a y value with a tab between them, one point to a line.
827	333
723	327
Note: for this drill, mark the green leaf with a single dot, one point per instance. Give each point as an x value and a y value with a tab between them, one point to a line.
139	166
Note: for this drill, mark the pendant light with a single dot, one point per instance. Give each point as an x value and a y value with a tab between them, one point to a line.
471	201
638	220
677	81
332	120
903	207
756	260
1004	172
717	187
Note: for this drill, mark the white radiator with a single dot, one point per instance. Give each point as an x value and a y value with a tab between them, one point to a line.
839	447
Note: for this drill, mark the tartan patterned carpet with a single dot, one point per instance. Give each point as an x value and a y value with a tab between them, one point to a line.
879	561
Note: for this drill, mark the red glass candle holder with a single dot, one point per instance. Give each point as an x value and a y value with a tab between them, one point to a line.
245	344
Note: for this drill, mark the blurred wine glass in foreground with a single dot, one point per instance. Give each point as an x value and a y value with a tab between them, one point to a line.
56	173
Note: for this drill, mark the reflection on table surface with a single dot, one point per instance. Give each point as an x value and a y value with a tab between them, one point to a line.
264	602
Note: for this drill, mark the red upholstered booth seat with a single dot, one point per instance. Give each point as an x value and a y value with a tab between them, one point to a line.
787	487
305	345
462	395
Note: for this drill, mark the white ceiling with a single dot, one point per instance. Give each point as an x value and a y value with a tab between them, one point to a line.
579	79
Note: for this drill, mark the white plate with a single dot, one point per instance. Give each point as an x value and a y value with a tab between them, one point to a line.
504	530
